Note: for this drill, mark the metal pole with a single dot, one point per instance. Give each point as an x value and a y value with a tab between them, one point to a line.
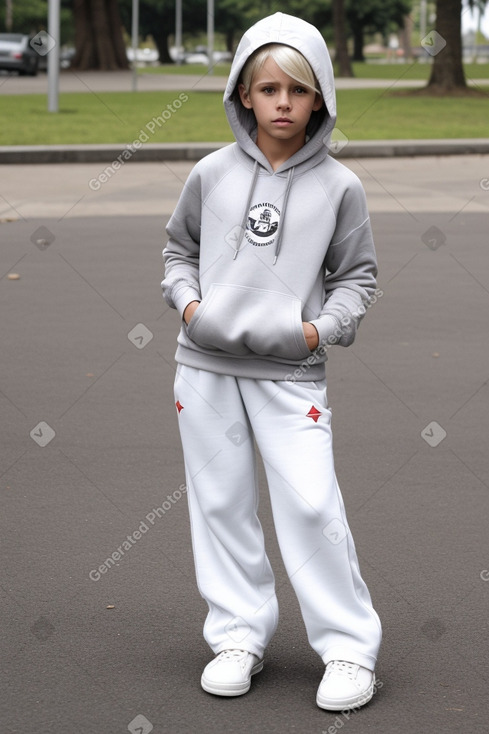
53	55
135	43
8	16
210	34
178	29
422	19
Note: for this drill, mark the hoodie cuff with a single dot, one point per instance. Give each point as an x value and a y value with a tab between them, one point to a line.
183	295
328	328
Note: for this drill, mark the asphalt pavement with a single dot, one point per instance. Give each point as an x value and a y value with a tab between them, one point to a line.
101	618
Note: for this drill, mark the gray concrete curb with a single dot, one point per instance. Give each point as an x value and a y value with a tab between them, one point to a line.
194	151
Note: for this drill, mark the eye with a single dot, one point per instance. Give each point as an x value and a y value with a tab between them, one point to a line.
300	90
268	90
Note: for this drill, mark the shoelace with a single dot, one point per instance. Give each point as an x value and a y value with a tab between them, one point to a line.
231	655
342	667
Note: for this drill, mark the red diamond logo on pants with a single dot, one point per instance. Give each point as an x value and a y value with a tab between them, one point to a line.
314	414
179	406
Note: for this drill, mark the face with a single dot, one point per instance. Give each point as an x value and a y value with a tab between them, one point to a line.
281	105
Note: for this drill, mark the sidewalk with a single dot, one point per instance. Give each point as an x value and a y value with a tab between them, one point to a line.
395	185
121	81
154	152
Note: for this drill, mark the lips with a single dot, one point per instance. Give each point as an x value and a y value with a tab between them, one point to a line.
282	119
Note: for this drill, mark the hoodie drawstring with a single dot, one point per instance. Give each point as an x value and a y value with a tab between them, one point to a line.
244	223
290	175
247	209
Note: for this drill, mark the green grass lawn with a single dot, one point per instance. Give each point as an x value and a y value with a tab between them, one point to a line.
118	117
411	71
418	71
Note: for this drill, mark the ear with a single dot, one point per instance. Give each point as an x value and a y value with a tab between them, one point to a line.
318	103
244	97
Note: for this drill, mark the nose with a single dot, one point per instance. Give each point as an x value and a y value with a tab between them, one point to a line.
283	101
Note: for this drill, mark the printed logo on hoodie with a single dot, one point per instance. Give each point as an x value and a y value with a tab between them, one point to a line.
262	224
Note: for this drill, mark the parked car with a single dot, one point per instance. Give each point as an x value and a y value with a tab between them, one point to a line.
202	57
144	56
17	55
66	55
196	58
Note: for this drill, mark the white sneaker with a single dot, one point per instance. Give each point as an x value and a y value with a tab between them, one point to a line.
344	686
229	674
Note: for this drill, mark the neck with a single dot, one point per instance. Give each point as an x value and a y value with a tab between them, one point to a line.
278	151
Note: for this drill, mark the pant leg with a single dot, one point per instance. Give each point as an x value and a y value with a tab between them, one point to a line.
233	572
292	427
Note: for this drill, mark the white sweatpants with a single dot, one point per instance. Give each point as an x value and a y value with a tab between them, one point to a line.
218	416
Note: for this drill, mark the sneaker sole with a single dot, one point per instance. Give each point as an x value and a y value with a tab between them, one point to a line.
348	703
230	689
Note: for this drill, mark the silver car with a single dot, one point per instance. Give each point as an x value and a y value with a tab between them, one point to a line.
16	54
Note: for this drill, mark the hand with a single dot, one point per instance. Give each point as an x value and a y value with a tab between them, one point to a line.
311	334
190	310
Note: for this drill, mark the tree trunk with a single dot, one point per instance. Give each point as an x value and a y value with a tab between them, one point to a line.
405	34
358	42
99	42
230	41
447	73
116	25
161	41
342	60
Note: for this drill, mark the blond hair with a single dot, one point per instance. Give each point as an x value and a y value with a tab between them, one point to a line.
291	61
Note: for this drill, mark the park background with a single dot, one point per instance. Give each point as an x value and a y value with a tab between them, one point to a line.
415	59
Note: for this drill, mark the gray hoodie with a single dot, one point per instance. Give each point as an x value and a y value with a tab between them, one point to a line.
265	250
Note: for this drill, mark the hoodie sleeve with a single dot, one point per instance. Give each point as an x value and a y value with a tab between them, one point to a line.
351	270
181	254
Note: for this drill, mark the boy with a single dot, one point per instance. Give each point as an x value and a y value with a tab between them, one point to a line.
270	260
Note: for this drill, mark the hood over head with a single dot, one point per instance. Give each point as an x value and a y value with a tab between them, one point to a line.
295	32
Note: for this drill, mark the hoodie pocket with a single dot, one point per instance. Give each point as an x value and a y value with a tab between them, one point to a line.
241	320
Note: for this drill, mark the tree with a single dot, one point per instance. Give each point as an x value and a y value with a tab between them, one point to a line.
31	16
406	33
157	19
232	18
342	58
374	16
445	45
99	42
